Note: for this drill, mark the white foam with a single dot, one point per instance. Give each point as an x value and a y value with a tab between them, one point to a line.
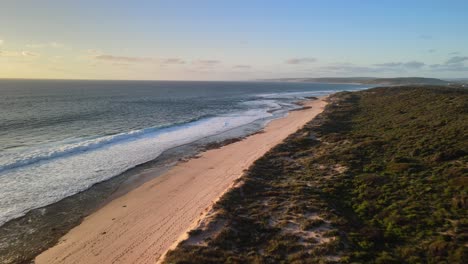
295	95
271	104
46	174
68	147
46	181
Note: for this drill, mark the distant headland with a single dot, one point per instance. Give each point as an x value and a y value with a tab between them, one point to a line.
378	81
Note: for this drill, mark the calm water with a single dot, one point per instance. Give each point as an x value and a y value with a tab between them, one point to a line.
58	138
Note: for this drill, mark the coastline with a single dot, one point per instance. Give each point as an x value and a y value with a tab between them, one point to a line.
22	239
351	186
144	223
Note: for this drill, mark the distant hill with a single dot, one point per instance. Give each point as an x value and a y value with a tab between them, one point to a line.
458	79
463	82
369	80
409	80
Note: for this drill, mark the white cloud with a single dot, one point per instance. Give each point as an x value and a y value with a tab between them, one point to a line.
117	59
242	66
172	61
29	54
122	58
52	44
1	41
206	63
19	54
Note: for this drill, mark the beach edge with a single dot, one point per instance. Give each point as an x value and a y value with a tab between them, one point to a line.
76	239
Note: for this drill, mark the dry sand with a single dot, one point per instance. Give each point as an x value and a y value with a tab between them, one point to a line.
142	225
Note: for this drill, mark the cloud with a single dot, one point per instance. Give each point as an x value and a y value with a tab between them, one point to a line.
52	44
241	66
29	54
454	53
348	68
352	69
207	63
130	59
1	41
414	64
410	64
296	61
456	64
113	58
19	54
456	59
389	64
172	61
455	67
431	50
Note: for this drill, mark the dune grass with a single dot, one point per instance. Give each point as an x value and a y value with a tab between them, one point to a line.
379	177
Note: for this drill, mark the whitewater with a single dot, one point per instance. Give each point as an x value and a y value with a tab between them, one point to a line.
48	155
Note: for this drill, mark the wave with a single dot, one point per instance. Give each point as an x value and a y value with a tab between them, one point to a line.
295	95
43	178
27	157
271	104
62	149
42	175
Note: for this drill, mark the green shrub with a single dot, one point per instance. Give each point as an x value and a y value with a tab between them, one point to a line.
403	197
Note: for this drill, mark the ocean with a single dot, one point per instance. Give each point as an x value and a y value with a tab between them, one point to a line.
60	137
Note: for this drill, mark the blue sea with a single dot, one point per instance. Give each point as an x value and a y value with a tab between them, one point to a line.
60	137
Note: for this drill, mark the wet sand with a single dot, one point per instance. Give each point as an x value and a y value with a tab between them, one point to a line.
142	225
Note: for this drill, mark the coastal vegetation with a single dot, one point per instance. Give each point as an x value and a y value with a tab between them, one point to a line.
379	177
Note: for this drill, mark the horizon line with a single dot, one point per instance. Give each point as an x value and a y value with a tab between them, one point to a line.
226	80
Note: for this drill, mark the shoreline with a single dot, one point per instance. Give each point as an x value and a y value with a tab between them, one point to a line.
342	188
23	238
146	222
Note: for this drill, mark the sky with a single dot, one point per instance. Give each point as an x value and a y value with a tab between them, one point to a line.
232	40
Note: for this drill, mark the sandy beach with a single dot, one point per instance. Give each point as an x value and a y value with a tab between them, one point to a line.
142	225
